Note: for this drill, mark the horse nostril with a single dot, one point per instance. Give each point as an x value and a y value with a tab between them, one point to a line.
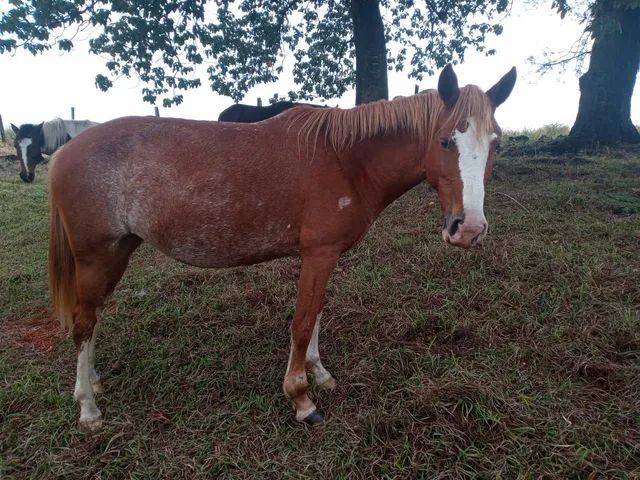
455	225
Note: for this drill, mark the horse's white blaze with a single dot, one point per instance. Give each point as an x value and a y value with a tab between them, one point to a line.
24	143
344	202
313	356
83	392
473	147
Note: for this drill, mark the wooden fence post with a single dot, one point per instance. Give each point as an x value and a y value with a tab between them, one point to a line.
2	130
73	113
259	102
416	89
156	110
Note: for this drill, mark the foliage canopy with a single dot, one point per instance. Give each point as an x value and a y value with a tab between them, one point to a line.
170	44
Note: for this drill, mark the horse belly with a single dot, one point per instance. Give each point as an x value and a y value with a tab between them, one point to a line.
225	244
214	255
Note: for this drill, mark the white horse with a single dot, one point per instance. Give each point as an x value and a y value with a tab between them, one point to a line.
33	140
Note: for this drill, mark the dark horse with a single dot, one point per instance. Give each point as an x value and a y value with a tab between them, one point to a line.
307	183
250	113
33	140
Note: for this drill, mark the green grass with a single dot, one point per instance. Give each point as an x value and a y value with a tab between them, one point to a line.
520	359
548	132
551	130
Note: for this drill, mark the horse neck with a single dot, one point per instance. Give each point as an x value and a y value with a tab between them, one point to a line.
384	168
54	135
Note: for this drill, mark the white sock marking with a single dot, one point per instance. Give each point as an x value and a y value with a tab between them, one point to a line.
94	378
313	356
83	392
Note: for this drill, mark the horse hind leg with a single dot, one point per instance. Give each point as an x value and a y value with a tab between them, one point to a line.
84	318
94	378
96	276
323	378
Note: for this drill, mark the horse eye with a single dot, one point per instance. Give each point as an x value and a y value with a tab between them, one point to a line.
444	143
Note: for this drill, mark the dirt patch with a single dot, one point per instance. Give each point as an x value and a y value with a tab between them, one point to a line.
440	340
599	373
40	333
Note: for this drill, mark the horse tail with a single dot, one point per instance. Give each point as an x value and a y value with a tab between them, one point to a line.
62	291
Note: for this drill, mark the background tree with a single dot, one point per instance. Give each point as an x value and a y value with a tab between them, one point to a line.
606	88
167	43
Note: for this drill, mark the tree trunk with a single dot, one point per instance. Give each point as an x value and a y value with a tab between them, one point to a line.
604	113
371	51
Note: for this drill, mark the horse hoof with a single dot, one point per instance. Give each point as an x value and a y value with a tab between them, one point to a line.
97	387
328	385
90	424
315	418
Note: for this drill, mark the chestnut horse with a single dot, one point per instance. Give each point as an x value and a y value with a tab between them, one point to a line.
308	183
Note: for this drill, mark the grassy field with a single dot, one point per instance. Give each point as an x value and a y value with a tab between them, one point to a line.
517	360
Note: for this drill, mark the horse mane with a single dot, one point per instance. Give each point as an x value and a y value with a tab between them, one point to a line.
415	116
55	135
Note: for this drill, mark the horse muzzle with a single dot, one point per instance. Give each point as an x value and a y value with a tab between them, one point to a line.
27	177
464	231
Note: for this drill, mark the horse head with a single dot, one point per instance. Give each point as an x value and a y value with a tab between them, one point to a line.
461	154
28	142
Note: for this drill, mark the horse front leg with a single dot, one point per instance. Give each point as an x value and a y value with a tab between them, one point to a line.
314	276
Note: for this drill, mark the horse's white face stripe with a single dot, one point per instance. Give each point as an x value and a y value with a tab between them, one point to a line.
24	143
473	147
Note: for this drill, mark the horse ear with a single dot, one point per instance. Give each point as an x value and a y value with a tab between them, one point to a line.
448	86
501	90
40	125
14	128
